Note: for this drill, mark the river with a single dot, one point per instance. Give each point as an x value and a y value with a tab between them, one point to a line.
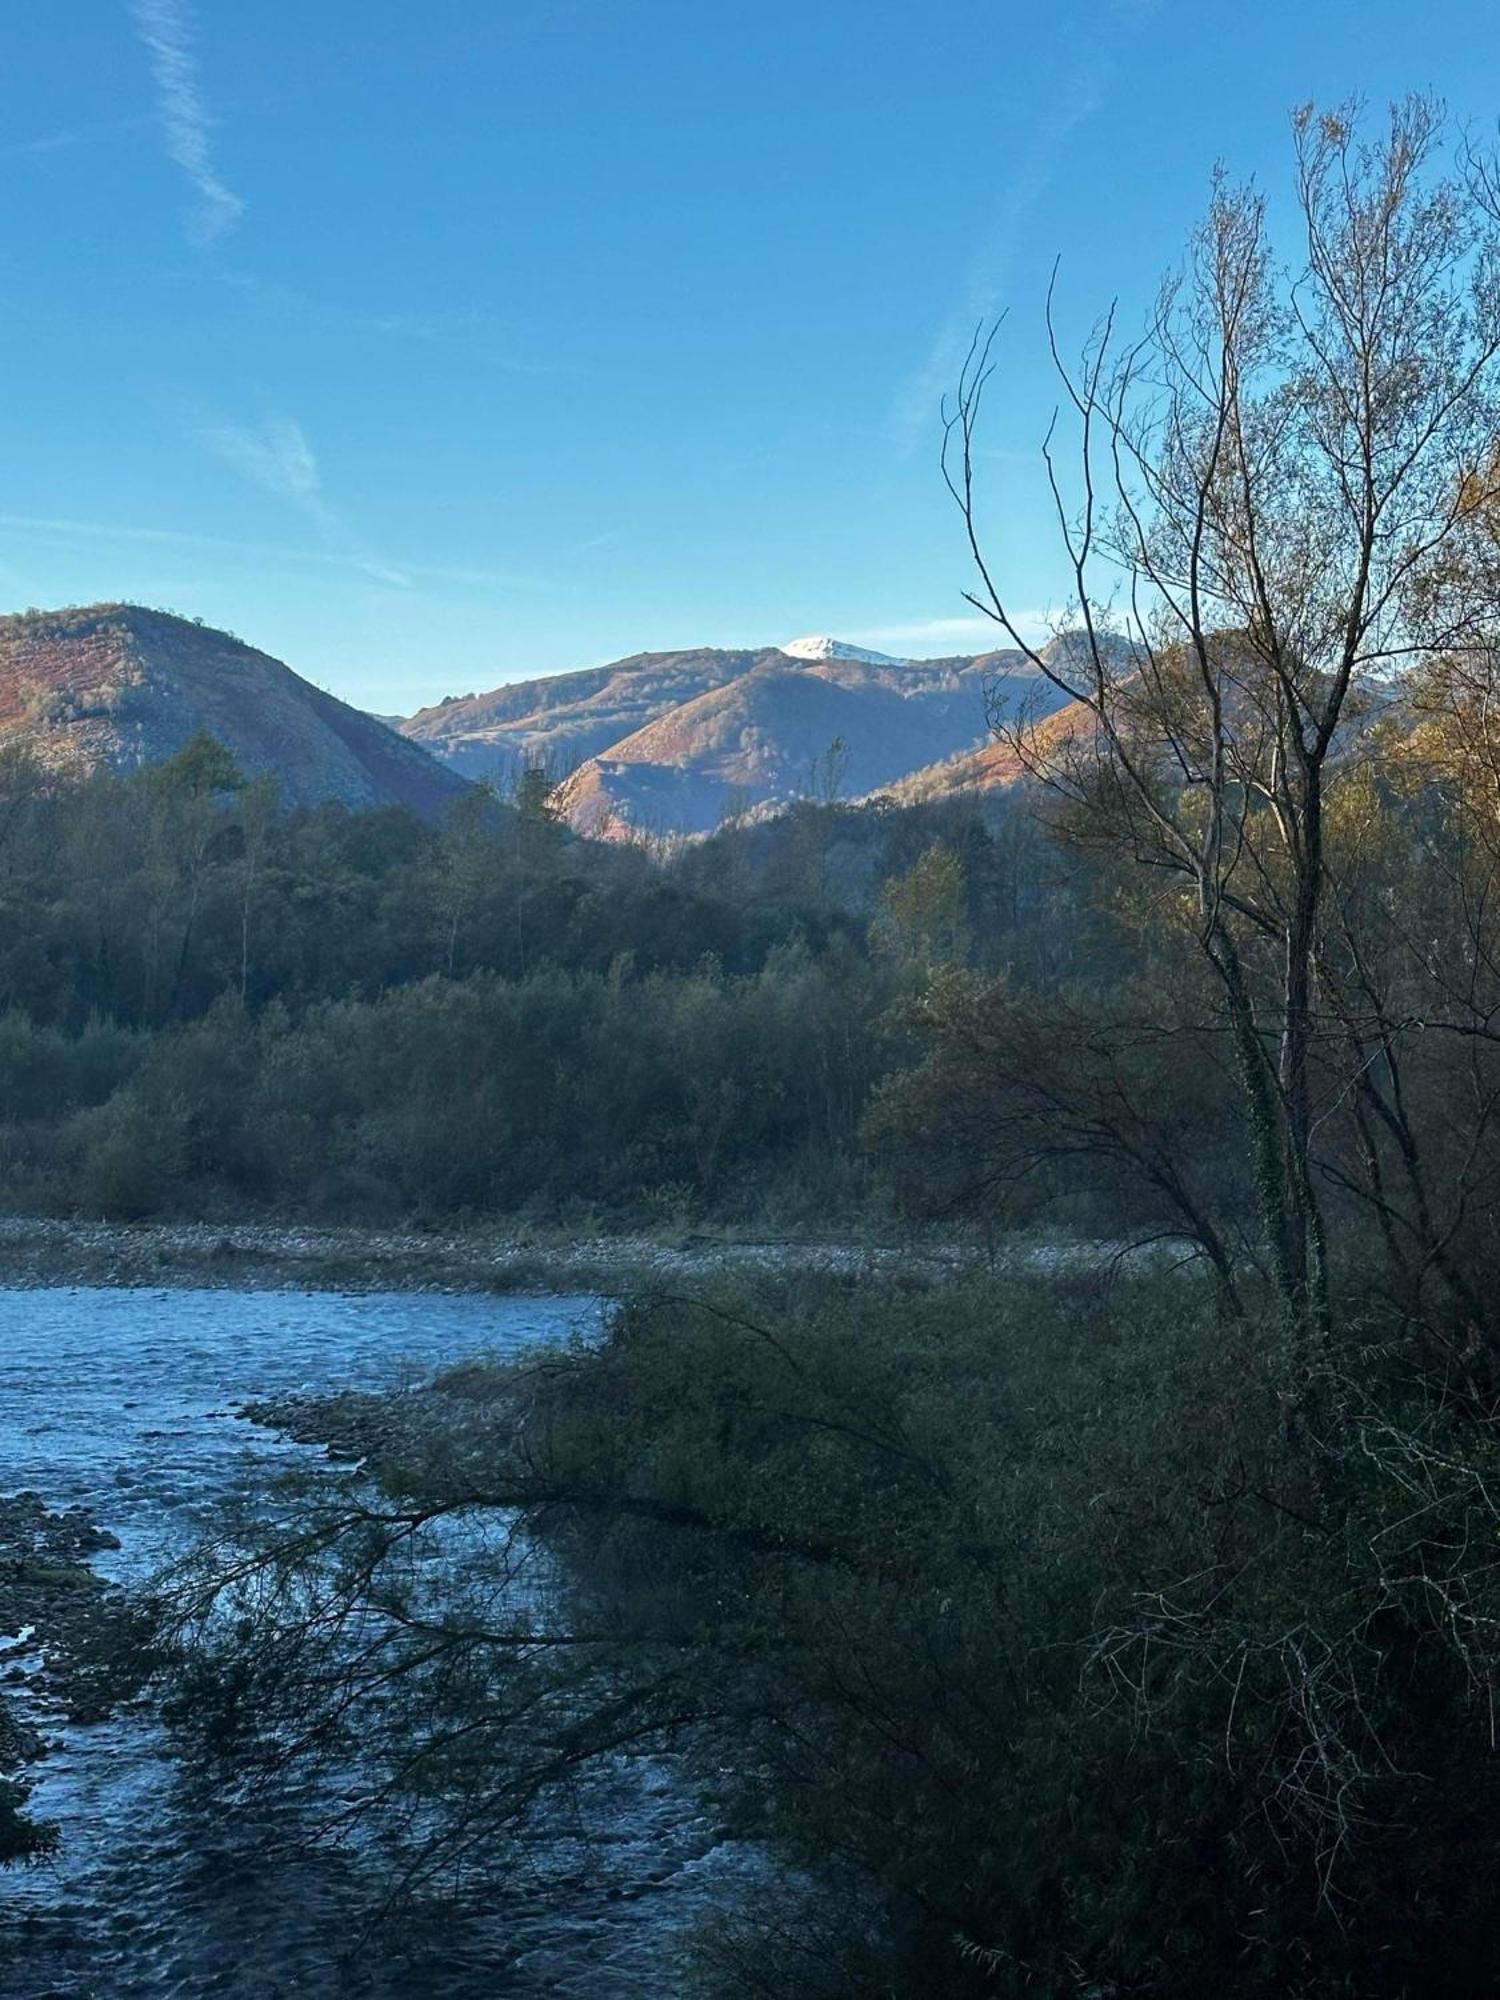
121	1401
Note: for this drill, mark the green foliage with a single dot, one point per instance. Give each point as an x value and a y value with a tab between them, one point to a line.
533	796
22	1839
202	768
1047	1621
129	1157
924	912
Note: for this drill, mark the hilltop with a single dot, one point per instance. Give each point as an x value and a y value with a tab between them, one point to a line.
116	687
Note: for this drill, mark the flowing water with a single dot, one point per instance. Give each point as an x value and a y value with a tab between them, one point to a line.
121	1401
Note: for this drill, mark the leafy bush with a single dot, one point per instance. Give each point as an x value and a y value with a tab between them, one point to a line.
130	1156
1039	1611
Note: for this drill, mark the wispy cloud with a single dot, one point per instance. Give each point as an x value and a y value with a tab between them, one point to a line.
914	415
482	334
51	528
953	632
166	28
1079	94
56	529
275	456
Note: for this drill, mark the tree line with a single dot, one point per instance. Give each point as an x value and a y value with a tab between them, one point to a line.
212	1005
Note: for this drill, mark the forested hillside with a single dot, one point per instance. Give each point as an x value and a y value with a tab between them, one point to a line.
975	1011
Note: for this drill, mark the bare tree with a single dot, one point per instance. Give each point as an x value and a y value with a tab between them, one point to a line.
1263	488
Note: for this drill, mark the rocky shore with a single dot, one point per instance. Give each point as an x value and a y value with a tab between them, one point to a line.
65	1641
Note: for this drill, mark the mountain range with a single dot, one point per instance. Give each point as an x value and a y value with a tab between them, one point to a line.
670	743
562	721
674	743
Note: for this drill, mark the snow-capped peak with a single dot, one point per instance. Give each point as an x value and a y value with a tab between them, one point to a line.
835	649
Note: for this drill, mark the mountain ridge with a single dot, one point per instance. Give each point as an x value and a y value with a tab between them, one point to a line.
670	743
788	729
674	742
560	720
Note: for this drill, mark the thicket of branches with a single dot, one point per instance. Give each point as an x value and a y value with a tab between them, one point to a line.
1278	506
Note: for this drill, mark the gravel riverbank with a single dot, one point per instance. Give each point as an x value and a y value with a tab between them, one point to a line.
262	1256
250	1256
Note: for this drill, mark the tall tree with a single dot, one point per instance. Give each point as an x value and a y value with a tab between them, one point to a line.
1263	487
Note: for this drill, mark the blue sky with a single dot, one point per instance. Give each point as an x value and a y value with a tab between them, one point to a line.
432	345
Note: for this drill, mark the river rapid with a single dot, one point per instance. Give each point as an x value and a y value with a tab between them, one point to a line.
121	1401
